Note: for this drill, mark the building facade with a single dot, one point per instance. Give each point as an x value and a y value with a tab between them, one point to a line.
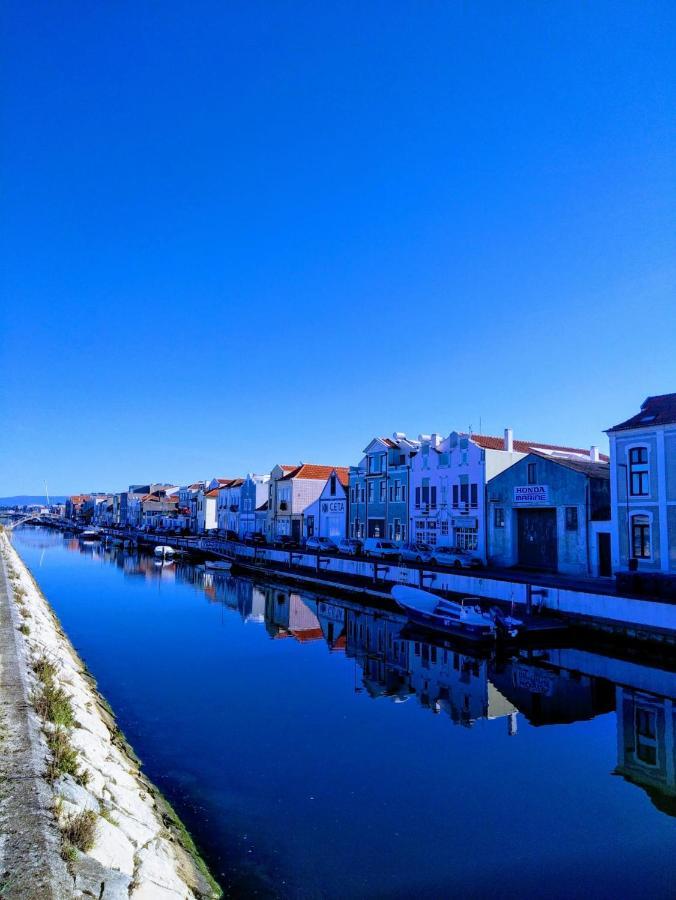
448	485
327	515
253	494
291	490
545	511
379	489
228	506
643	487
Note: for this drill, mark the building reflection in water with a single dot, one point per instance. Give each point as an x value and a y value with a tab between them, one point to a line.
394	660
646	752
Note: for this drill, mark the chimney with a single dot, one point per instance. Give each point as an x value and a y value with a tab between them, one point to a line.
594	455
509	440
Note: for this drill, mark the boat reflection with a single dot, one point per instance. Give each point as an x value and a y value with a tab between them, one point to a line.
395	660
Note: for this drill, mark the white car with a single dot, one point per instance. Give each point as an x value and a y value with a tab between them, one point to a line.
323	544
452	556
382	548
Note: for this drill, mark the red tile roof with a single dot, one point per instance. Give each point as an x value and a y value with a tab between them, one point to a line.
213	493
320	473
657	410
497	443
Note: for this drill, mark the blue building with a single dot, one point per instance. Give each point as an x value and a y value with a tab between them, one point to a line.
379	489
551	512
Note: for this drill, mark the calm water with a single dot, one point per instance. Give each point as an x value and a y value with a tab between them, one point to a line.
321	749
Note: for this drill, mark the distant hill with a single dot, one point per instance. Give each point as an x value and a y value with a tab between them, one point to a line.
29	500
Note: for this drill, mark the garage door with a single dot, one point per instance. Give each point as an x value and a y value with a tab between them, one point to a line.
537	538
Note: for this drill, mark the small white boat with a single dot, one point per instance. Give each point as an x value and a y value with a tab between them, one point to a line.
464	619
164	551
217	565
90	534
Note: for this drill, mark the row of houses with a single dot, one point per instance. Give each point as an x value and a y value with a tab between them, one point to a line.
507	501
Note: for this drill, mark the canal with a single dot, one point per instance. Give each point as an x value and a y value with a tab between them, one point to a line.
316	748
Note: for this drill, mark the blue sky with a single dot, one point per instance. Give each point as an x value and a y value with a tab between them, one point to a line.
244	233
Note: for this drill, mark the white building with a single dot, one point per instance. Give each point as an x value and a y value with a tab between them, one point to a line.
643	488
449	479
206	505
228	507
327	515
291	490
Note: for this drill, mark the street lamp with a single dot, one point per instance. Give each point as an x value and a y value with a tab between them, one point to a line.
631	561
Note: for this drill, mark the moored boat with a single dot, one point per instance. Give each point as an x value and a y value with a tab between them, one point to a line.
164	551
464	619
90	534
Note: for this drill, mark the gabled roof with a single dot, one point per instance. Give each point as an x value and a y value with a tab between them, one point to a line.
319	473
657	410
212	493
584	466
489	442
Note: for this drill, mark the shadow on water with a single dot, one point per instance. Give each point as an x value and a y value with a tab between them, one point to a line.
307	742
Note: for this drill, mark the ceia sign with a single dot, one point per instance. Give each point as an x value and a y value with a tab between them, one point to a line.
333	506
531	493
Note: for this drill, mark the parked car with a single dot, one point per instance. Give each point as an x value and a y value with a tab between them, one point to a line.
452	556
351	546
255	537
286	542
322	544
416	551
381	548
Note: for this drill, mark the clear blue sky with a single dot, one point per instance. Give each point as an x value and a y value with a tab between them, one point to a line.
244	233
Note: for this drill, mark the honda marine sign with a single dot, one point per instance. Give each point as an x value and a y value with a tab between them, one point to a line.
531	493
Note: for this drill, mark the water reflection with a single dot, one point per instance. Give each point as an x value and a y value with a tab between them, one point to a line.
396	661
268	726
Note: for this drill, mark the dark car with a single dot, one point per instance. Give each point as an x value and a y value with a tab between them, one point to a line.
254	537
286	542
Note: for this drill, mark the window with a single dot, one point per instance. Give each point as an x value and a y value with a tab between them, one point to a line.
417	498
455	496
499	517
640	537
466	538
645	725
444	528
571	518
433	497
464	495
333	486
383	491
372	492
638	472
310	526
474	496
532	473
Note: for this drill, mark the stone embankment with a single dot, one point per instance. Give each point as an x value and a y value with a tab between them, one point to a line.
77	816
